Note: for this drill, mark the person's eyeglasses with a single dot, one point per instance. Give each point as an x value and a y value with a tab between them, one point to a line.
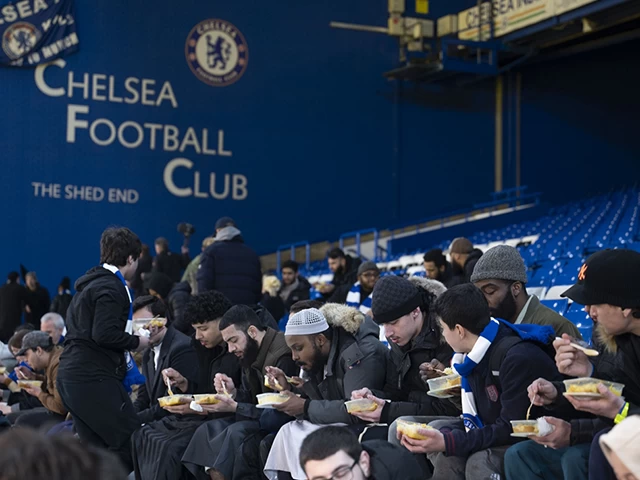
341	473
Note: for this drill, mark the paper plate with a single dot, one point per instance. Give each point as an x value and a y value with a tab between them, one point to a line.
524	435
268	405
440	393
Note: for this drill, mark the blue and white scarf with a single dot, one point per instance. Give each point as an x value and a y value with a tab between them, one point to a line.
465	363
354	297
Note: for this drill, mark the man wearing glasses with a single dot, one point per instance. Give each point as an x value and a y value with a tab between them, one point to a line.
334	453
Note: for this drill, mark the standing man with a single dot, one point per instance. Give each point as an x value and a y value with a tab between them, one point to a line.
13	298
38	299
93	364
464	257
359	295
230	266
62	300
169	263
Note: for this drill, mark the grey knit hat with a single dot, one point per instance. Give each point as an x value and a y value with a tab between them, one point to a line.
501	263
367	267
394	297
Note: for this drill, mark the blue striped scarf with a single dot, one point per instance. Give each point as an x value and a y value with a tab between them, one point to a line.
353	299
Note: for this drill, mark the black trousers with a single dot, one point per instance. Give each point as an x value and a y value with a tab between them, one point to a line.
103	414
38	418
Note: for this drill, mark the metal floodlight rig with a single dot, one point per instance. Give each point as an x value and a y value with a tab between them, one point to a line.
411	32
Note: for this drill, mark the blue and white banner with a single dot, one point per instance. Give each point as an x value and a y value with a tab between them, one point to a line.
36	31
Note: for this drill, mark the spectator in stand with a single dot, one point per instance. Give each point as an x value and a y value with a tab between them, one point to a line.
175	297
437	268
474	446
270	298
501	275
345	274
38	300
27	454
168	348
622	448
15	400
359	295
335	453
145	265
294	286
42	355
53	324
13	298
62	300
94	363
230	266
608	285
191	272
463	258
169	263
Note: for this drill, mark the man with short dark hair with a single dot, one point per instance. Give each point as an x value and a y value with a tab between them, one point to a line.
437	268
168	348
95	358
359	295
169	263
294	286
13	298
229	447
501	275
230	266
168	438
335	453
463	258
497	362
62	300
345	274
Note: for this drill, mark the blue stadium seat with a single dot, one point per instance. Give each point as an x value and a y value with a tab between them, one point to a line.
558	306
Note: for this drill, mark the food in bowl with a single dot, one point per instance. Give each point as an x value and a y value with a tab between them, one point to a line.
173	400
271	398
361	405
587	385
411	429
525	426
208	398
442	384
3	370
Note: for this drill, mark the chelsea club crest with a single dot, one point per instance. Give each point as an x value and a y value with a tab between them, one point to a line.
216	52
20	39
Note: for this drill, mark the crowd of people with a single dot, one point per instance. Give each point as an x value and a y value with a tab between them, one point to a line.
179	368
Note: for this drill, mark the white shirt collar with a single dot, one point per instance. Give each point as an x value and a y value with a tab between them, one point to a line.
524	311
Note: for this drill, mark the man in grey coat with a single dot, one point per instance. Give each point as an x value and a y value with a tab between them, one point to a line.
502	276
339	351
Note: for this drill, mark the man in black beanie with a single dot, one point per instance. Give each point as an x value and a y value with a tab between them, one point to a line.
608	286
405	312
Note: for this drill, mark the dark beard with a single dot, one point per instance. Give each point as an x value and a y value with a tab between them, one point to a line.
318	362
250	353
507	308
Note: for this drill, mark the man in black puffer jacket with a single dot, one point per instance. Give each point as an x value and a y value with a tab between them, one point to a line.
231	267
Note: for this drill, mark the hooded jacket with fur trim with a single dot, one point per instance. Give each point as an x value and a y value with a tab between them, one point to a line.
357	359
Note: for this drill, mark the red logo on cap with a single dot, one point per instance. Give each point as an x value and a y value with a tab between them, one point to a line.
582	273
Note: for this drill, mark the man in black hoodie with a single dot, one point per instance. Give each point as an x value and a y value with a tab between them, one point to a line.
94	362
334	452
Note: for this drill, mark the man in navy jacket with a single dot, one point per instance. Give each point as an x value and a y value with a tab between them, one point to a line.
230	267
492	397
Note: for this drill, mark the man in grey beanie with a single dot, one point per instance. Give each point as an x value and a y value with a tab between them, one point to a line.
501	275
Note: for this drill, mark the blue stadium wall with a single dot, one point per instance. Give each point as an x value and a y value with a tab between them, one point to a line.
315	139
